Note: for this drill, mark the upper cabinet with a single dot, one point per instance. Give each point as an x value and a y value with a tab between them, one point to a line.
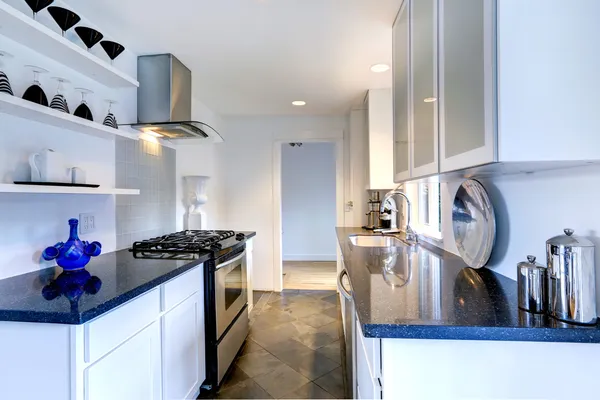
380	125
515	80
467	98
424	96
401	91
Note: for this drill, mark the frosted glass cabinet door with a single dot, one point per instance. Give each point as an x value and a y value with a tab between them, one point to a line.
467	84
401	90
424	88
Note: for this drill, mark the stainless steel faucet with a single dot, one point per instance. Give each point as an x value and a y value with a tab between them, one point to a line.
411	236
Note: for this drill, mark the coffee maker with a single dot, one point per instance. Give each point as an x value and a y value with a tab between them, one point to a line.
374	212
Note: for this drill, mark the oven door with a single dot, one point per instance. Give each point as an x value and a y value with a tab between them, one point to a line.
231	294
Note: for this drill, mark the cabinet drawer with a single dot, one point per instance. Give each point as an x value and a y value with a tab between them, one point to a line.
371	349
178	289
107	332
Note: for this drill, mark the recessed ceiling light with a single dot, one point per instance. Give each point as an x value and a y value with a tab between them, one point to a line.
380	67
299	103
430	99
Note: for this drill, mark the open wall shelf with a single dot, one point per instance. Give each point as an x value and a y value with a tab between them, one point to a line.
18	107
23	29
12	188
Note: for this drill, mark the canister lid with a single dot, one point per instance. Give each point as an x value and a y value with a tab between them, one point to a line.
530	263
569	240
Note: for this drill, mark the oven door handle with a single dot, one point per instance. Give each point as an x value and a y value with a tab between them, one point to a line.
238	258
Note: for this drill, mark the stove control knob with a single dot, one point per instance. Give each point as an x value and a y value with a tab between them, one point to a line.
216	246
240	236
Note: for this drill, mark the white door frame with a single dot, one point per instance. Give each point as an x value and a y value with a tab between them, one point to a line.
277	219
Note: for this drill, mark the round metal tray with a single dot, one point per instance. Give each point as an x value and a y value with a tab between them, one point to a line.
473	223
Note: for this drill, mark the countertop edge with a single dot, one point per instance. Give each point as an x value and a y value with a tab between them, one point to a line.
81	318
500	334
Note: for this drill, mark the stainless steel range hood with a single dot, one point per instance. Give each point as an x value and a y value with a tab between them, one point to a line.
165	100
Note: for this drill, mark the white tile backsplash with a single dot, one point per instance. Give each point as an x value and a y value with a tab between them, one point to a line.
149	167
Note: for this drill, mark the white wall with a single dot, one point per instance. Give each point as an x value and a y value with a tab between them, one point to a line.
246	162
200	159
308	180
30	223
530	209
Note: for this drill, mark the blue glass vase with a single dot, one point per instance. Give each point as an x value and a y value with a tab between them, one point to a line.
72	285
73	254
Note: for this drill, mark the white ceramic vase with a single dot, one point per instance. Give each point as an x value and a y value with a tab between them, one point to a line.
196	197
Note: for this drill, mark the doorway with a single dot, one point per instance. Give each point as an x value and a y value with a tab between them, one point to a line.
308	215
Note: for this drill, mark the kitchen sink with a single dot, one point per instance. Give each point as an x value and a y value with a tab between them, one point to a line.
376	241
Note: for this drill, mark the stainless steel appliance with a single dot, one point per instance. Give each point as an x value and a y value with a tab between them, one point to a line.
165	100
225	290
349	317
532	283
572	284
374	213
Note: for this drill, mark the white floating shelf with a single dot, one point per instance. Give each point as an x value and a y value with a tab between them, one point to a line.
23	29
18	107
12	188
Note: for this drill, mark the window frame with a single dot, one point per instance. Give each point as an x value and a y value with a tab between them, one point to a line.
434	228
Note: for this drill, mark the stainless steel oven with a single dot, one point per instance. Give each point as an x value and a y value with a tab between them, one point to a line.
231	294
227	313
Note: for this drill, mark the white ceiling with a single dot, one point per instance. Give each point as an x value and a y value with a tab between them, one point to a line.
254	57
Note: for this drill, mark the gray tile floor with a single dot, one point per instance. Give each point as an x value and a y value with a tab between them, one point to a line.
293	350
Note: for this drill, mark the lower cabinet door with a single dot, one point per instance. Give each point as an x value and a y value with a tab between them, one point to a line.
183	356
131	371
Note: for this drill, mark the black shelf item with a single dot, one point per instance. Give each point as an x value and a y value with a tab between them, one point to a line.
65	19
90	37
38	5
35	94
113	49
63	184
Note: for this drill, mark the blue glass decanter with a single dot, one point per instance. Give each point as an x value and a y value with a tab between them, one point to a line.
73	254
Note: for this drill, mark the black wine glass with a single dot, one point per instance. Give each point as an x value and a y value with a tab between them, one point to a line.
88	36
65	19
83	111
4	82
38	5
113	49
35	93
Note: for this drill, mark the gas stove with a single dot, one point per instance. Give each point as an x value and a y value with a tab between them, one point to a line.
187	245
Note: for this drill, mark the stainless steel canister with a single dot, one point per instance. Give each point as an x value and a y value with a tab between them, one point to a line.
572	278
532	282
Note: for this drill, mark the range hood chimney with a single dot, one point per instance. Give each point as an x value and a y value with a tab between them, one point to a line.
165	100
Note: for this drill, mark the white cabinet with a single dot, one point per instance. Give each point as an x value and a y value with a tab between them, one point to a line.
131	371
368	366
497	101
152	347
401	93
467	72
380	124
183	358
424	87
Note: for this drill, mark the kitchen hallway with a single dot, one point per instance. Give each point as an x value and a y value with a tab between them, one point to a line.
294	350
309	275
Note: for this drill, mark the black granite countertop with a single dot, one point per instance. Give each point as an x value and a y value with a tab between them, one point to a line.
108	281
432	294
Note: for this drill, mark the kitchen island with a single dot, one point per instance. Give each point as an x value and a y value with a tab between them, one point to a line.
423	316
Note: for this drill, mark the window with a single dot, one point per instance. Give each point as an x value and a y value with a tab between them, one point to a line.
429	215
